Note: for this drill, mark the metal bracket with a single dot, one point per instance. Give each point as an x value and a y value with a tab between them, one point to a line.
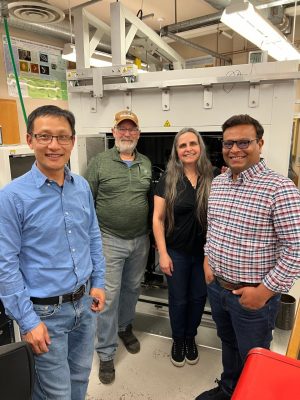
127	100
165	100
97	82
254	91
93	104
207	97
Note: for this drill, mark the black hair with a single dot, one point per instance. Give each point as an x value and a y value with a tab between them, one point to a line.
53	111
244	119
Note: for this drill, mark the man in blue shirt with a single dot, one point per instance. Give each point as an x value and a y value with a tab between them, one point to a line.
51	262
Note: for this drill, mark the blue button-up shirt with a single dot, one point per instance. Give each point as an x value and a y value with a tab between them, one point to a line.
50	242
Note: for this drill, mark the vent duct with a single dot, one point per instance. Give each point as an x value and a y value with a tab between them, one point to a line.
36	12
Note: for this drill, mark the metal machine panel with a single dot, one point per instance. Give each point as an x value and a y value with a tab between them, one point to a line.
86	147
15	160
265	91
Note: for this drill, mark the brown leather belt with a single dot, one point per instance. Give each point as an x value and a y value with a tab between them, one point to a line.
65	298
233	286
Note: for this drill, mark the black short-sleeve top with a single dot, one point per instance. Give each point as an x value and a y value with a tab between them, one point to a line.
188	235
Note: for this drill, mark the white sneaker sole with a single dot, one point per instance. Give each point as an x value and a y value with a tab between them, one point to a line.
178	363
192	362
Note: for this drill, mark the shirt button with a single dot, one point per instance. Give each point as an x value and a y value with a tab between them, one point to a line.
73	249
66	213
69	231
48	184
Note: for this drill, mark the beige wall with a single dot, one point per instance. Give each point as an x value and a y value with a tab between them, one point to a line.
30	104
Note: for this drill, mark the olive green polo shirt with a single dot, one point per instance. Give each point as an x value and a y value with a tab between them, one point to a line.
120	193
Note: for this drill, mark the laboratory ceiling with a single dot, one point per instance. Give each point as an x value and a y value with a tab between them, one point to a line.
164	12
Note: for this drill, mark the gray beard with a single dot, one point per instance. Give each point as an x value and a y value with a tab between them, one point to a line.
125	147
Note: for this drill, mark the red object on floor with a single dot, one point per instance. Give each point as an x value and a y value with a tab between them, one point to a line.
268	376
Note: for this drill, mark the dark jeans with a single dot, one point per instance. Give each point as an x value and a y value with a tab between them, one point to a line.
239	329
187	293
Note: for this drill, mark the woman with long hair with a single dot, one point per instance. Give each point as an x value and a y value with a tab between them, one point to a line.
179	227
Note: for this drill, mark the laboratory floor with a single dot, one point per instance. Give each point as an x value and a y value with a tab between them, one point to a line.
150	375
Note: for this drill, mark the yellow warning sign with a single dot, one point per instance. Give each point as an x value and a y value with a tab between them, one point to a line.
167	124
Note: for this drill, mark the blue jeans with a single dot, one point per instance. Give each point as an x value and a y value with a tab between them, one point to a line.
187	293
125	266
63	372
239	329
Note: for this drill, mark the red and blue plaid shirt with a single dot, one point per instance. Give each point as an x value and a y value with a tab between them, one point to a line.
254	228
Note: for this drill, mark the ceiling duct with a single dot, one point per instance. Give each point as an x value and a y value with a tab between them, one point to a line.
35	12
280	20
60	31
218	4
3	9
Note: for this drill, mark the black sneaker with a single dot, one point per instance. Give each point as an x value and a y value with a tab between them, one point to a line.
130	341
178	352
191	351
107	372
216	393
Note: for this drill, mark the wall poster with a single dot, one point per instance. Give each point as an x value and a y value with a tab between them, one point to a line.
41	70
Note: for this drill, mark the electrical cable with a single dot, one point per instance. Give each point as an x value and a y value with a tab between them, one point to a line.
15	69
294	24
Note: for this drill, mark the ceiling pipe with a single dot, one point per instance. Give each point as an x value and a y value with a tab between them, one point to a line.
60	31
190	24
198	47
213	19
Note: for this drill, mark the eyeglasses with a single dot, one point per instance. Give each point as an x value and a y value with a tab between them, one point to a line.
44	138
241	144
129	130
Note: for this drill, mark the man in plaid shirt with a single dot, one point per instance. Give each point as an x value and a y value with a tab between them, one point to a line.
252	250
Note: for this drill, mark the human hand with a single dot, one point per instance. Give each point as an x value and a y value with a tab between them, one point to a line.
38	338
166	264
253	298
209	275
98	295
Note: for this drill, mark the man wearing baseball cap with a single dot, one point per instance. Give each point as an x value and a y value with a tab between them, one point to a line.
120	180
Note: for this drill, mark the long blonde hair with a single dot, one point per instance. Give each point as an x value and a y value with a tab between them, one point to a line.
175	173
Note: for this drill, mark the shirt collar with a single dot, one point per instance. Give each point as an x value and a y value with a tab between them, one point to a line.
40	178
116	155
251	172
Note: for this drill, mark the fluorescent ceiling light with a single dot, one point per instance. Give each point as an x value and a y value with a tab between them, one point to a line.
247	22
97	60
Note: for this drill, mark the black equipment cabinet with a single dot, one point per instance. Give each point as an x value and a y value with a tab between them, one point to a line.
6	328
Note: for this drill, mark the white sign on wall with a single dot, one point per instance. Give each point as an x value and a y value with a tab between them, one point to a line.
41	70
